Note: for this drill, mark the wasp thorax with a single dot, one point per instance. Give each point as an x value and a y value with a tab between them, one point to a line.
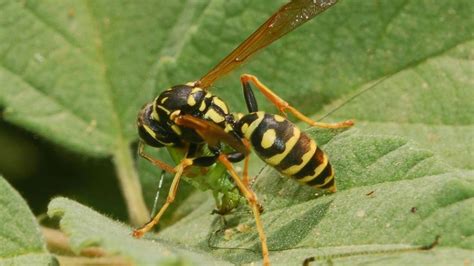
183	98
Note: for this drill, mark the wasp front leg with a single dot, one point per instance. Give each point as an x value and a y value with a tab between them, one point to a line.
281	104
158	163
179	169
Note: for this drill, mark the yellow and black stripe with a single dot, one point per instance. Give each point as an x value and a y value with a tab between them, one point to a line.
284	146
156	121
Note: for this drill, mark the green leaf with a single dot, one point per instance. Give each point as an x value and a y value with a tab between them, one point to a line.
440	256
87	228
77	72
429	102
390	192
20	237
393	198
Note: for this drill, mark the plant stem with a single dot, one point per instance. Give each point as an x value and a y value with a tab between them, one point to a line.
130	184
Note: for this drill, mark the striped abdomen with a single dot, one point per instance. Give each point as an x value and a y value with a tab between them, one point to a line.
284	146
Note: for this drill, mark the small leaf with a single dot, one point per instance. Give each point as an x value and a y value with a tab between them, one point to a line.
87	228
20	237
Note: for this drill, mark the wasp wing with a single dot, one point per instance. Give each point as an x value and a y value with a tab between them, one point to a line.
211	133
287	18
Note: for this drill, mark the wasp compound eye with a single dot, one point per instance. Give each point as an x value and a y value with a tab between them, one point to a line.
148	136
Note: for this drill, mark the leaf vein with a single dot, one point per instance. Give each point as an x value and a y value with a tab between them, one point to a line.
105	73
60	104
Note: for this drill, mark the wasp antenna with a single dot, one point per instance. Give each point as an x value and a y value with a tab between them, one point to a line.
157	195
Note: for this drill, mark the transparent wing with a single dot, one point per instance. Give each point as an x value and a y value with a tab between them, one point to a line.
286	19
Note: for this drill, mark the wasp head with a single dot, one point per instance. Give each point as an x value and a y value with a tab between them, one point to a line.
152	131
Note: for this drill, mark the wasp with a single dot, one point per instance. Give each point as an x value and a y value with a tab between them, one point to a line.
205	138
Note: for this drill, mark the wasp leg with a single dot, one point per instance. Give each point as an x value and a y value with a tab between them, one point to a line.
236	157
246	164
137	233
281	104
141	151
203	161
250	100
252	200
211	133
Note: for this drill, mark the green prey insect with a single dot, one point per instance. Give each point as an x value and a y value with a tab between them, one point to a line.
205	138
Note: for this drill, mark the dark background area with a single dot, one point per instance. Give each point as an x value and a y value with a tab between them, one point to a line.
40	170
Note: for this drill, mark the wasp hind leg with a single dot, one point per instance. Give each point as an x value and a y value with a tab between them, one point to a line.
281	104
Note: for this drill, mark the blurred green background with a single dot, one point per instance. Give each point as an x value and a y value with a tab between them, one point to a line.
40	170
